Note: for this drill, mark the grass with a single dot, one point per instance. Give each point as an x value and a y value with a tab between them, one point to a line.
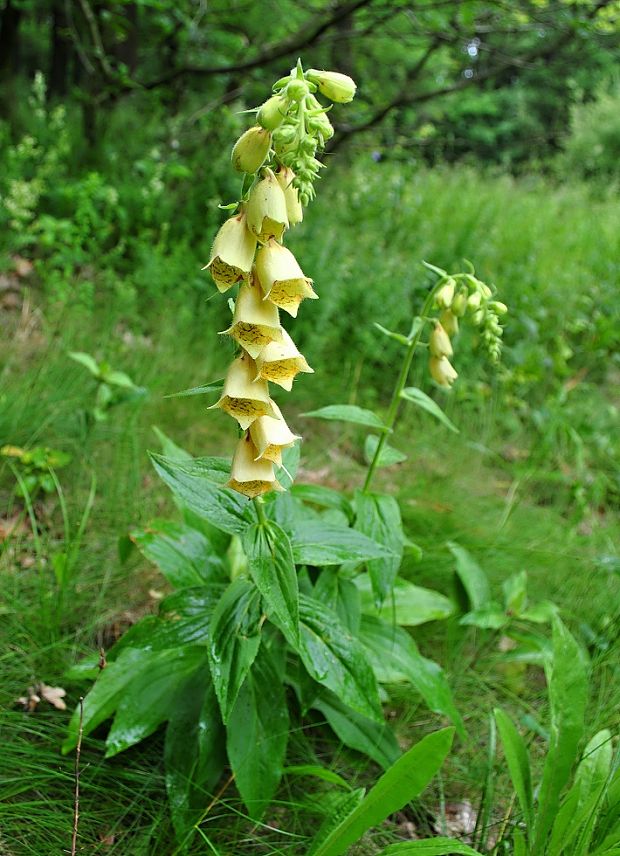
488	488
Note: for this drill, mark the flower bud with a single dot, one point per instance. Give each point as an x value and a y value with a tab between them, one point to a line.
266	211
271	114
297	89
232	253
459	304
474	300
244	398
442	371
251	149
333	85
294	211
280	362
486	291
440	345
445	295
449	322
281	278
256	322
478	317
498	307
272	435
250	475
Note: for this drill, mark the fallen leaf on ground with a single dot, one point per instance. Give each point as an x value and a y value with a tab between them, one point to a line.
53	695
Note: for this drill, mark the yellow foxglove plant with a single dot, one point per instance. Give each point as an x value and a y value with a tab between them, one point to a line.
281	590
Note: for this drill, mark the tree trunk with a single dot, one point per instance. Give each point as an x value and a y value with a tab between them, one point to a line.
9	40
61	50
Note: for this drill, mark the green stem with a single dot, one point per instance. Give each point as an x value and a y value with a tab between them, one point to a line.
260	511
401	381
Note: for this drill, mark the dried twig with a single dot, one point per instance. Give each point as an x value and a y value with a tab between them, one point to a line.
76	801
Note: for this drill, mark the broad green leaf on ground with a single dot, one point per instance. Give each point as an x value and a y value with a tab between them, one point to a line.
595	765
336	807
318	543
567	677
358	732
272	568
341	595
518	762
402	782
439	846
257	734
378	517
336	659
86	360
348	413
235	640
325	497
410	605
515	593
472	577
197	484
317	772
394	657
194	753
422	400
489	617
183	554
388	457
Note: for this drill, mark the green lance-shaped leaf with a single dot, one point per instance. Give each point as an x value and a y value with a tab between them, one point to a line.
235	640
422	400
567	677
518	765
341	595
197	484
183	554
207	389
271	565
257	734
87	361
439	846
316	542
194	752
472	577
335	658
348	413
394	657
378	517
324	497
403	782
388	456
409	604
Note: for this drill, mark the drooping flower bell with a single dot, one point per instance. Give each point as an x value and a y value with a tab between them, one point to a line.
243	397
281	278
440	345
256	322
271	435
251	149
294	210
442	371
250	474
333	85
449	322
266	210
281	362
232	253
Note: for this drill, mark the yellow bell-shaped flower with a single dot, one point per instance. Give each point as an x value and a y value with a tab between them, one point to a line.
251	149
294	210
442	371
281	278
232	253
280	362
251	475
243	397
440	345
266	210
271	435
256	322
449	322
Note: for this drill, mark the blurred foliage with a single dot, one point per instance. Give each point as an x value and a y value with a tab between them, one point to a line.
592	145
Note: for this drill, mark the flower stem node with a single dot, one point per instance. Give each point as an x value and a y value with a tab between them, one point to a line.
281	278
232	254
333	85
271	114
280	362
266	211
250	475
294	211
271	435
251	149
244	398
442	371
256	322
440	345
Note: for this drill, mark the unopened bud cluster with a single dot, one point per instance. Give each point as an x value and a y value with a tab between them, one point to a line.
456	297
248	253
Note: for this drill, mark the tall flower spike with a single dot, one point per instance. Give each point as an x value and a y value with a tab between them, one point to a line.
281	362
281	278
271	435
251	475
266	211
232	254
256	322
243	398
